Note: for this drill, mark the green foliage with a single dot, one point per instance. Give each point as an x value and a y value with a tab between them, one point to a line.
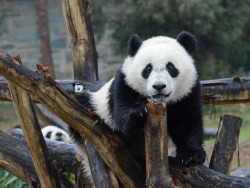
9	181
222	28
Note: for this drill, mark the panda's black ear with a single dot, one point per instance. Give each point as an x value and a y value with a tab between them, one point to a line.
188	41
134	44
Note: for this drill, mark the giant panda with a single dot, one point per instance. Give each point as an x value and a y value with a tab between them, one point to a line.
160	69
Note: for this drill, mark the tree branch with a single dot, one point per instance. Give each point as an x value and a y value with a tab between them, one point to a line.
15	152
217	92
48	92
38	149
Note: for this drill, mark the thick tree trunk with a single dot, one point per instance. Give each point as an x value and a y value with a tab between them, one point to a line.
226	143
217	92
44	36
156	147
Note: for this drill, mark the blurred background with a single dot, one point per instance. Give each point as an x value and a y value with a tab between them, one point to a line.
222	28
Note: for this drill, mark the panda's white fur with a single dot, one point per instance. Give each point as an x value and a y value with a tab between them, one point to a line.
55	133
158	51
100	102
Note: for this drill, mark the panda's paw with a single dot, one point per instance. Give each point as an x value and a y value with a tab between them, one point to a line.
140	107
191	157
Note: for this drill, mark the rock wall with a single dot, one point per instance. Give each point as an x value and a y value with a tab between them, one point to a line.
21	36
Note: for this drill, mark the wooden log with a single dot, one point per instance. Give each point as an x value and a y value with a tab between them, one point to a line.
226	91
77	15
63	154
226	143
110	147
14	151
197	176
26	114
43	25
217	92
156	147
78	21
16	159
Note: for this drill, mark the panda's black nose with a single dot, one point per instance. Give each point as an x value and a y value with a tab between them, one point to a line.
159	87
58	134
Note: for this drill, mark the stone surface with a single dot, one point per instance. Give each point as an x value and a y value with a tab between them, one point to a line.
21	37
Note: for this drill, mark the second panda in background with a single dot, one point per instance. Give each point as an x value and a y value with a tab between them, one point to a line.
160	69
55	133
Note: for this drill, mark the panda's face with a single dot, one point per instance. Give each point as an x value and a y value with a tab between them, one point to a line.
161	70
55	133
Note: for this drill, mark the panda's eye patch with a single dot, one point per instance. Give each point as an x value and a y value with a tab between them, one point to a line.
173	71
146	71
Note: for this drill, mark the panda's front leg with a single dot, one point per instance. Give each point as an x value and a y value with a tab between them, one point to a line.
189	145
130	117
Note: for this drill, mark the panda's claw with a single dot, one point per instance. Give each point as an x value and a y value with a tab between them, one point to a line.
146	110
141	115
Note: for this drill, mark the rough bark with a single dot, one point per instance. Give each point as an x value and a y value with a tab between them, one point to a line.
43	25
85	68
42	161
78	21
217	92
14	155
15	158
226	91
63	154
48	118
107	143
226	143
156	147
201	176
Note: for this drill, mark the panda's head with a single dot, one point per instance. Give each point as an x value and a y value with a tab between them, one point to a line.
55	133
161	68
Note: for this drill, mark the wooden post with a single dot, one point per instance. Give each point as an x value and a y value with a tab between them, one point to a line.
78	21
226	142
156	147
26	114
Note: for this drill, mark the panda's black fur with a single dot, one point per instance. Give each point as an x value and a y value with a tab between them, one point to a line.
127	109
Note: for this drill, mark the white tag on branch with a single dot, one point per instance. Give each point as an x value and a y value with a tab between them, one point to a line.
78	88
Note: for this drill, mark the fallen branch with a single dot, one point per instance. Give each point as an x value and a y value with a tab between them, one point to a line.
192	176
63	154
226	91
217	92
15	158
202	176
